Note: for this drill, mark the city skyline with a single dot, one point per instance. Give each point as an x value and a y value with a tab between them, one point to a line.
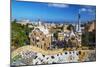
52	11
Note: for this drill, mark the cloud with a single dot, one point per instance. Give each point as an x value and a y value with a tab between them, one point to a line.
83	9
86	9
90	10
58	5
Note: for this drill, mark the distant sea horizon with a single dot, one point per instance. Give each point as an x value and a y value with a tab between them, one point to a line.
52	21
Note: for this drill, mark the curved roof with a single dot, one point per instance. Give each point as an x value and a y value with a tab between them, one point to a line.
42	29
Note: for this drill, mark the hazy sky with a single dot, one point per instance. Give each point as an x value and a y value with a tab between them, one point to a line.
51	11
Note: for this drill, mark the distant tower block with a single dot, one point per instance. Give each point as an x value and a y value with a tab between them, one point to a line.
39	23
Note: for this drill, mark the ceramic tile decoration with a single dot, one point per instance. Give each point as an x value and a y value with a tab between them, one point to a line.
52	33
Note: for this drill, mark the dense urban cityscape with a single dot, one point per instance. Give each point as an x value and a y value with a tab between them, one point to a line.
52	33
56	37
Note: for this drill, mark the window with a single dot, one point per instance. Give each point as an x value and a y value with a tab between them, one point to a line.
72	38
33	39
42	39
37	40
40	33
34	33
37	45
44	44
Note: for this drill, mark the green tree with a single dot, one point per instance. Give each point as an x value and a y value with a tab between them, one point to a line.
70	27
19	34
14	21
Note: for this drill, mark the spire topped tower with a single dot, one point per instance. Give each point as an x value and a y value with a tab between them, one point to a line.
79	23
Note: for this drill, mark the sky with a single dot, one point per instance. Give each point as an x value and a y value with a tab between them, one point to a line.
51	11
